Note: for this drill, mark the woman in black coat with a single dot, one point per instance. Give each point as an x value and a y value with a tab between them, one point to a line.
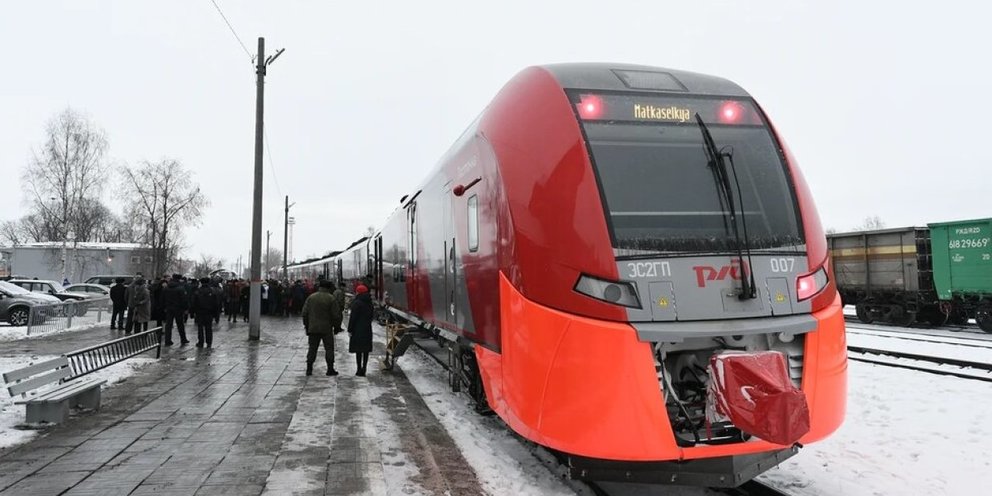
360	328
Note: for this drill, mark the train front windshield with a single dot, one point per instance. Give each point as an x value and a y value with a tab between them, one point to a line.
659	185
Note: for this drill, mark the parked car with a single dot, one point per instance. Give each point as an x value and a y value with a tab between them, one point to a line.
94	289
108	281
16	303
50	288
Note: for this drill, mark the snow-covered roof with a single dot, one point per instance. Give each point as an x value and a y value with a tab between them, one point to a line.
83	245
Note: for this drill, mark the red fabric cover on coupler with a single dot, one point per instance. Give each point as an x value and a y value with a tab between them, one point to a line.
753	390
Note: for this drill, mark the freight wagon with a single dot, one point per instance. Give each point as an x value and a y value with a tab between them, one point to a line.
937	274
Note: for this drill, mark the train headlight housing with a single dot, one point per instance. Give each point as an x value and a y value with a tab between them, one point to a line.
616	292
807	286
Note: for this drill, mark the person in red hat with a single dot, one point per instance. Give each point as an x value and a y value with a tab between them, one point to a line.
360	328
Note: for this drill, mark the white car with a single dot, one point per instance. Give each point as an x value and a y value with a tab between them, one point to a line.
93	289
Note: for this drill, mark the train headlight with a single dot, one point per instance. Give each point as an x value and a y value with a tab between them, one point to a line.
616	292
809	285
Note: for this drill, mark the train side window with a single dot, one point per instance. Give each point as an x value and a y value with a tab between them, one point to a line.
473	223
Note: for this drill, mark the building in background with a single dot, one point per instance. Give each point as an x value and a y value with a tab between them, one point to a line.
4	271
82	260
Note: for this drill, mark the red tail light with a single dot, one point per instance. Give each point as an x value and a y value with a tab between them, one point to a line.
807	286
590	107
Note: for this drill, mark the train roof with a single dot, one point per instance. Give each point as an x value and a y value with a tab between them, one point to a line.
631	77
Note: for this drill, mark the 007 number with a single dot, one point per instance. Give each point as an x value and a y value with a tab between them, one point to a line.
782	264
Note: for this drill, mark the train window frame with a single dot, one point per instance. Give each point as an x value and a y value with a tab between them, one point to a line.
473	223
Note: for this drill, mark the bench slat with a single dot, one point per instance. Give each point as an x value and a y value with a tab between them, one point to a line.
30	370
36	382
66	391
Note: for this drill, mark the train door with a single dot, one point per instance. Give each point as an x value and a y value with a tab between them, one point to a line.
412	292
380	281
450	265
338	270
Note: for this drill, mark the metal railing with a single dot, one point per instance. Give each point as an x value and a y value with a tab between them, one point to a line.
89	360
67	314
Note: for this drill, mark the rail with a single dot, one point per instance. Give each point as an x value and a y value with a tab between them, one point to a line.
963	364
89	360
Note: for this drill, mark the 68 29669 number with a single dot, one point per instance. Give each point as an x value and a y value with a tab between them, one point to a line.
968	243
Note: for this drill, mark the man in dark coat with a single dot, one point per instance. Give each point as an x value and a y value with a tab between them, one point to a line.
233	300
156	287
216	286
174	303
339	298
118	295
275	298
140	305
299	294
360	328
319	313
205	307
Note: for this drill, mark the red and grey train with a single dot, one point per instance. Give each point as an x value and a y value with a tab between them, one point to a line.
590	241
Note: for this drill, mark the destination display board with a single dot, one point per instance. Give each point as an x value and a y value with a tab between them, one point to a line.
664	110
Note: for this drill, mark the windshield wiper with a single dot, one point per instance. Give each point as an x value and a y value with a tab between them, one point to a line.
715	159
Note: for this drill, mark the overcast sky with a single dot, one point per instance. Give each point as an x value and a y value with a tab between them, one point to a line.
885	105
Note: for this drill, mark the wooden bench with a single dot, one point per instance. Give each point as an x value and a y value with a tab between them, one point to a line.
51	405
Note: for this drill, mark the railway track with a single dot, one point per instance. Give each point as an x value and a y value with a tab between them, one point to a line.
434	350
982	371
926	338
965	328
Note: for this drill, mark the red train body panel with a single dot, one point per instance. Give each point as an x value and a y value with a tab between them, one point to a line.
582	239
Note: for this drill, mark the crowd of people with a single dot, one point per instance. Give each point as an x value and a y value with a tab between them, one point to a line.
171	301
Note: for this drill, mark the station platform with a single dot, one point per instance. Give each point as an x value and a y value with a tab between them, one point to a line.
241	418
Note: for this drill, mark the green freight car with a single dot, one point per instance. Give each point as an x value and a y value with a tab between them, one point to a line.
962	268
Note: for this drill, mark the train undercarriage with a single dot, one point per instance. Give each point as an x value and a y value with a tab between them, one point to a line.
905	309
683	379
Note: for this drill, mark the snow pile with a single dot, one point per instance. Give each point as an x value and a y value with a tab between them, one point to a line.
89	321
12	416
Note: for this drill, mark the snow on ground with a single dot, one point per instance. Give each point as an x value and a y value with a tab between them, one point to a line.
12	416
502	463
53	326
906	432
397	468
936	336
956	350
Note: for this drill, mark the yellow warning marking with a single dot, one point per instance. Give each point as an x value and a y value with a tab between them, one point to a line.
663	302
779	297
875	250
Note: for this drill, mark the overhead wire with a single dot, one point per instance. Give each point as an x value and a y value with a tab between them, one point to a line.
265	133
272	167
235	33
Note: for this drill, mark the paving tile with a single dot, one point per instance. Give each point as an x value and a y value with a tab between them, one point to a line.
242	419
45	484
231	490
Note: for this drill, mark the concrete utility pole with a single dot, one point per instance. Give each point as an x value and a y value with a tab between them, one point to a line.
285	240
255	302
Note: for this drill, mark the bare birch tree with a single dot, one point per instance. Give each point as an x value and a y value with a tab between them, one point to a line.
871	223
165	200
66	175
206	265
